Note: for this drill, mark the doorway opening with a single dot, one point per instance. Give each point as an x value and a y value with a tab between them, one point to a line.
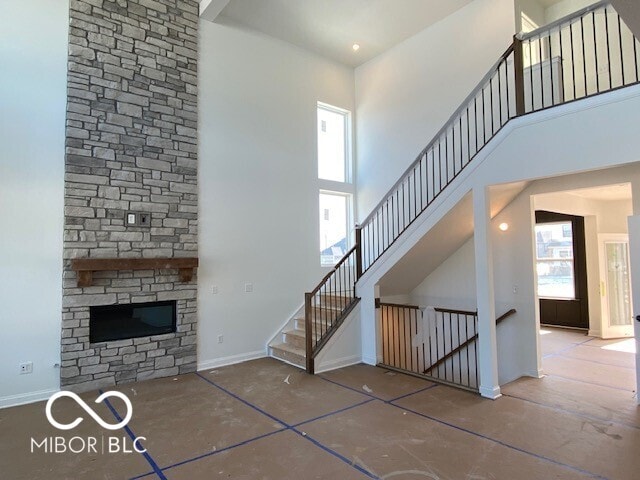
582	272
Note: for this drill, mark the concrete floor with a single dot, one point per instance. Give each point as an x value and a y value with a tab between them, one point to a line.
267	420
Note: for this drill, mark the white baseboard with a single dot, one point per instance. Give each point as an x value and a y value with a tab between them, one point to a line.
490	392
594	333
369	360
24	398
231	360
339	363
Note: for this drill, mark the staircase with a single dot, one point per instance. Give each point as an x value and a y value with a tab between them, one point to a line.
554	65
290	343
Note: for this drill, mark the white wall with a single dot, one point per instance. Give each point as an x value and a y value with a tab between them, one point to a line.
33	55
258	185
446	286
532	9
567	7
405	95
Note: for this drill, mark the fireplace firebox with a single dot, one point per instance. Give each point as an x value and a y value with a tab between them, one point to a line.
120	322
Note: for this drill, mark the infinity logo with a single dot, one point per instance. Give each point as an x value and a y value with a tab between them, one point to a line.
94	415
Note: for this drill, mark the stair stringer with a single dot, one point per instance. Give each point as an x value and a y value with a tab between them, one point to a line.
280	337
344	346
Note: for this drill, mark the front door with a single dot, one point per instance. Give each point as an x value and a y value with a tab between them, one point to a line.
561	269
615	286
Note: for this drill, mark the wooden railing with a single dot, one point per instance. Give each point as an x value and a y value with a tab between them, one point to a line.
328	305
440	347
585	54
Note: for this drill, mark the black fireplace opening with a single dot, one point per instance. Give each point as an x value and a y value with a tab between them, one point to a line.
132	320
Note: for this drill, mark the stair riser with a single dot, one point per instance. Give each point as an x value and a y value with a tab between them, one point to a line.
289	357
294	340
324	314
318	326
332	302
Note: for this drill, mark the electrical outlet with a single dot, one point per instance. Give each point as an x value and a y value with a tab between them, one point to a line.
144	219
26	367
248	287
220	338
214	289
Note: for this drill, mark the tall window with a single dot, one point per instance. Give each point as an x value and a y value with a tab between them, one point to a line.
334	178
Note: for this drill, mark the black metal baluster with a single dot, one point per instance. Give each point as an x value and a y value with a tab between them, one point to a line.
475	120
553	95
492	114
416	368
506	87
500	94
397	216
573	62
466	334
621	51
451	343
533	103
459	354
415	195
475	348
484	121
595	51
421	178
561	71
608	41
468	137
541	73
437	339
404	332
635	55
584	57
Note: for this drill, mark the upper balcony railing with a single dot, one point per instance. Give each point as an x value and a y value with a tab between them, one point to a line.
587	53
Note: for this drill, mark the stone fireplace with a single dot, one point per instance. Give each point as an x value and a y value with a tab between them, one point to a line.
130	183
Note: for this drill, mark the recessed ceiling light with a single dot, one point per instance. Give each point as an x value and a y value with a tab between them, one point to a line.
356	47
504	227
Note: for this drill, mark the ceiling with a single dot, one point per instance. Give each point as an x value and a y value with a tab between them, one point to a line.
606	193
331	27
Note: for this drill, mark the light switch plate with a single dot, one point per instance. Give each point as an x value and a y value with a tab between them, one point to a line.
132	218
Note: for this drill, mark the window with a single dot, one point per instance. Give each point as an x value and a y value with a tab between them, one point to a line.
334	208
555	260
334	178
332	144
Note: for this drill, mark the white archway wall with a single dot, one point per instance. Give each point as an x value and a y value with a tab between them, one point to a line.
513	253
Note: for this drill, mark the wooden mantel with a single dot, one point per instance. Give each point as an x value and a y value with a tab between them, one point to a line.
86	266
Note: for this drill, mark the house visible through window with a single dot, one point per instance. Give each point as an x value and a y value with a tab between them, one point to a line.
554	260
334	178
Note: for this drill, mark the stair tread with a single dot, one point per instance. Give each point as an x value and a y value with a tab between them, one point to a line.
289	348
297	332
